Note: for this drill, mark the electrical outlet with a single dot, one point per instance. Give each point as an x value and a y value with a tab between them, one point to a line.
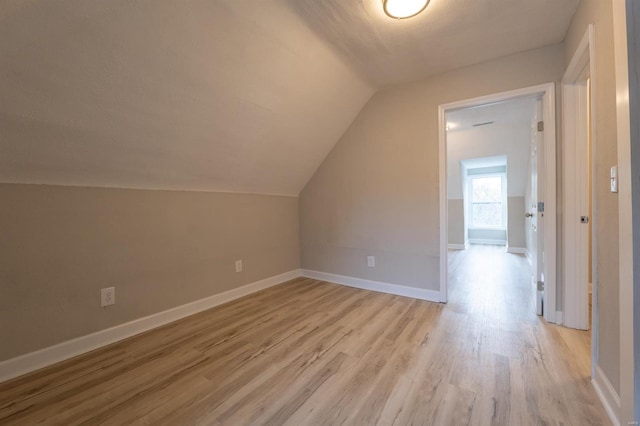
238	265
371	261
107	296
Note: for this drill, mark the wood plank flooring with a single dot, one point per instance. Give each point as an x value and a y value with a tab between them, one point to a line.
313	353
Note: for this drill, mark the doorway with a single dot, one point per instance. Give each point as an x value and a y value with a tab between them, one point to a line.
580	272
544	266
492	197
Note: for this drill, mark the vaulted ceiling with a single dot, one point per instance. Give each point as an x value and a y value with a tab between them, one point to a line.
230	95
222	95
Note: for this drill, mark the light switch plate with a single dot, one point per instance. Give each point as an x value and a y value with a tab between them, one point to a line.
614	179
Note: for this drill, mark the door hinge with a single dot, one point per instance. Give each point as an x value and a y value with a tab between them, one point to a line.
541	207
541	126
540	285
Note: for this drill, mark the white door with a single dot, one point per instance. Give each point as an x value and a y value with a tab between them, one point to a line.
535	213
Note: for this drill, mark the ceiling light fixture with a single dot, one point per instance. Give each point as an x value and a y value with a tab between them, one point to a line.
401	9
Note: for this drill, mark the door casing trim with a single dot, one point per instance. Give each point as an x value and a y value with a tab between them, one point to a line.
575	165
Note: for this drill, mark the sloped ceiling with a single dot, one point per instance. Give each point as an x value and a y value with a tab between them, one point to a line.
449	33
223	95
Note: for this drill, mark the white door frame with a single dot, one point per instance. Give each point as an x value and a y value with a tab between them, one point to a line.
575	117
626	26
547	91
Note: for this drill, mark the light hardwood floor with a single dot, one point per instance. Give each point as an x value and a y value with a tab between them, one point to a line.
312	353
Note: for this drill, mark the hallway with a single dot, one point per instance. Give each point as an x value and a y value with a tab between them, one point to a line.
486	281
538	367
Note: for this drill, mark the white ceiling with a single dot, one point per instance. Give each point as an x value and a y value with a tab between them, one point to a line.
485	162
229	95
222	95
514	111
448	34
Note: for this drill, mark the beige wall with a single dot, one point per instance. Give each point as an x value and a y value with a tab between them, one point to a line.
599	12
160	249
455	222
516	222
376	193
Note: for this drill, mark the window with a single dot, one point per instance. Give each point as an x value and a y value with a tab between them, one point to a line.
487	201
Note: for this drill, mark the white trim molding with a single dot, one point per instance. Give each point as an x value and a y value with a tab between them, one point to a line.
399	290
33	361
607	394
486	241
457	246
626	32
518	250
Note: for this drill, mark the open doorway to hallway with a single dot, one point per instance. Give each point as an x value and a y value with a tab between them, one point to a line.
490	205
492	183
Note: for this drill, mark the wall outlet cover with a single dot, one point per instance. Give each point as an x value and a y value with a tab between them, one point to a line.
371	261
107	296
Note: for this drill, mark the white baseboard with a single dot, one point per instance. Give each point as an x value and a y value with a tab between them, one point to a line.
487	242
32	361
517	250
400	290
457	247
607	394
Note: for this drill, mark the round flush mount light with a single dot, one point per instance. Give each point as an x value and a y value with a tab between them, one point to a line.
402	9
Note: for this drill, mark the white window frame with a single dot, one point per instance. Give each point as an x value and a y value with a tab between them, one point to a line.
470	178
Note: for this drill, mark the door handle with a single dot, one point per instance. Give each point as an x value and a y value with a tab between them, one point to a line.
528	214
